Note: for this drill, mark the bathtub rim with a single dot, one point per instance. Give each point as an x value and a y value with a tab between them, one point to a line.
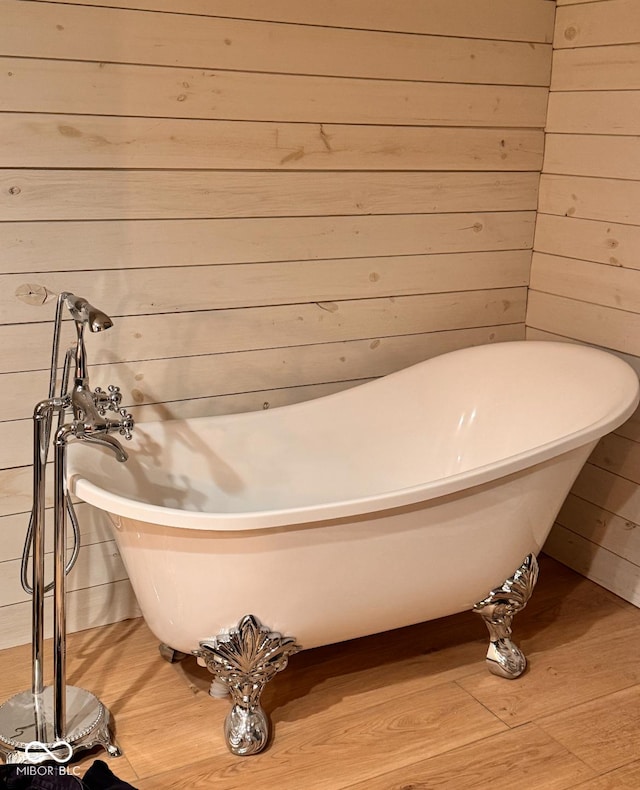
143	511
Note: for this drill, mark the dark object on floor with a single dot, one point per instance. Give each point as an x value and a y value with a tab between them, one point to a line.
101	777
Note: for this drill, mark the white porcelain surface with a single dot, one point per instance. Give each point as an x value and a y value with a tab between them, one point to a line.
398	501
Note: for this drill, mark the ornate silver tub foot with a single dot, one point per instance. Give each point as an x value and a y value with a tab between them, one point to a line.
244	660
504	658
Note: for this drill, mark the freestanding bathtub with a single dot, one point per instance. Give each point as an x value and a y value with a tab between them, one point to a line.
415	496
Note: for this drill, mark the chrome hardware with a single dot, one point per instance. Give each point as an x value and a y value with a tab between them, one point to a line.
126	424
90	423
61	714
92	435
504	657
90	408
107	401
32	738
99	432
244	660
84	313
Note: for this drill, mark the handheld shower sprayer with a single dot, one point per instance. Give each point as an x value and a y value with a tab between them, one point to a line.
86	314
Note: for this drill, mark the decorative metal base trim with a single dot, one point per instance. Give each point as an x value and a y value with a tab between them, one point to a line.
244	660
27	727
504	657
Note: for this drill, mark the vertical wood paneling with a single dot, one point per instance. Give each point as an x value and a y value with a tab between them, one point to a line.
273	200
584	277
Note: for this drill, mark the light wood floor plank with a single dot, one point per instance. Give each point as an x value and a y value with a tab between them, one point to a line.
604	733
627	778
524	756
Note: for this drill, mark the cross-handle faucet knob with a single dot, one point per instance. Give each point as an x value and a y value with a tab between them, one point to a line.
115	397
107	400
126	424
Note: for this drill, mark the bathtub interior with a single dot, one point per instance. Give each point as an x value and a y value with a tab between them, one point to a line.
446	417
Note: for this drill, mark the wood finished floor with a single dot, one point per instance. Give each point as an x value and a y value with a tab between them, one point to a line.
414	709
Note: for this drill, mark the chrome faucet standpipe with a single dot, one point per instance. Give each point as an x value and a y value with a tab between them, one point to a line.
54	722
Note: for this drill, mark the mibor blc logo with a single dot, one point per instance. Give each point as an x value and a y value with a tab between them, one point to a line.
37	752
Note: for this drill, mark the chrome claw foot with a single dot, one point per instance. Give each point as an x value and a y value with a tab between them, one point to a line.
246	730
113	750
244	660
504	657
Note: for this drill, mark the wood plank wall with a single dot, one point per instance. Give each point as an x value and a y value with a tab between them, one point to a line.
585	278
272	200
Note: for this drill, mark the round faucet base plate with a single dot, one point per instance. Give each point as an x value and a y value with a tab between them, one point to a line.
27	727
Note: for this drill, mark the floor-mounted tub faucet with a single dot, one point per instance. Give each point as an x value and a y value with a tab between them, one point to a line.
59	720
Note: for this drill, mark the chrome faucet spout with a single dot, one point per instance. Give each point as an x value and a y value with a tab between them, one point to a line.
104	440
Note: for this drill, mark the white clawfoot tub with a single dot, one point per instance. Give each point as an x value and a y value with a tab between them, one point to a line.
405	499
